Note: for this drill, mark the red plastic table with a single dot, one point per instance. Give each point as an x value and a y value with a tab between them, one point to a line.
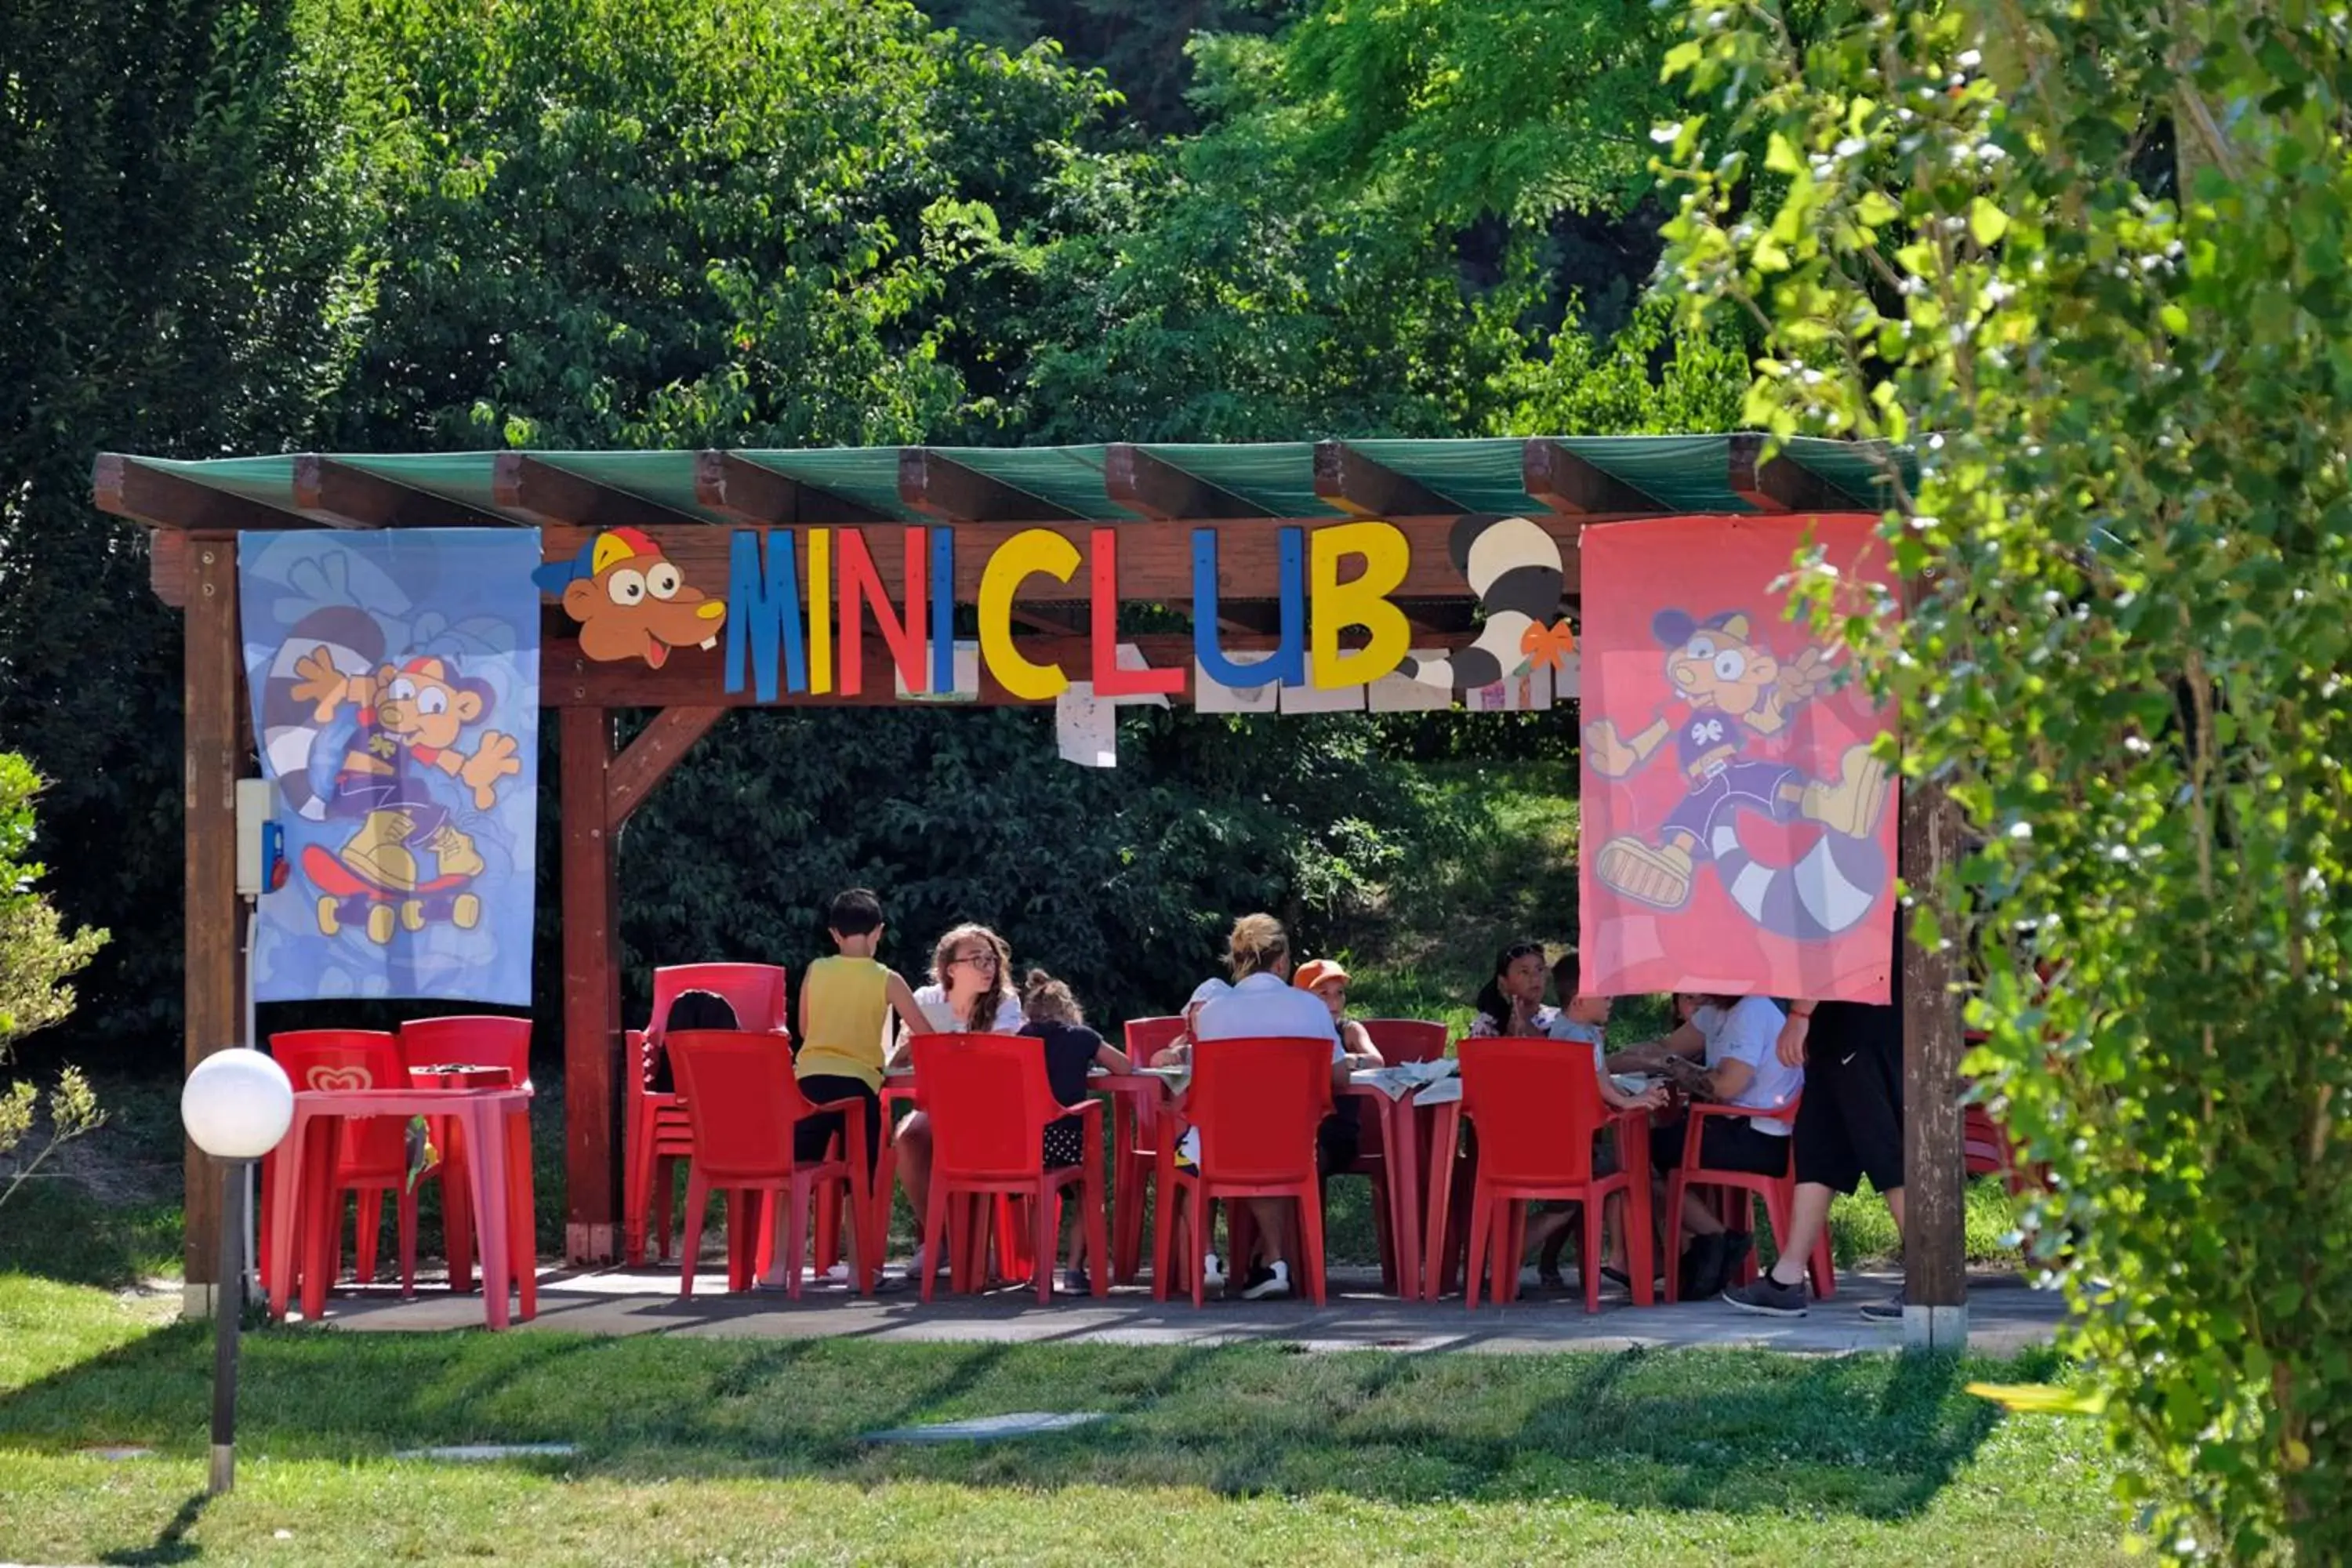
496	1126
1632	1151
1401	1173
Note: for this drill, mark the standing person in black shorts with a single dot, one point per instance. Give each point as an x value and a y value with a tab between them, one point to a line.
1849	1126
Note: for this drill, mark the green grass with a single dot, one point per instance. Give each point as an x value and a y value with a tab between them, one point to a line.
695	1449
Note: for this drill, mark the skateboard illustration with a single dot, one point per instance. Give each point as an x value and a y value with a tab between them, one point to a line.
346	898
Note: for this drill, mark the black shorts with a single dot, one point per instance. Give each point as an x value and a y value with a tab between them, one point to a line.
1339	1140
1064	1142
1851	1123
1725	1144
812	1134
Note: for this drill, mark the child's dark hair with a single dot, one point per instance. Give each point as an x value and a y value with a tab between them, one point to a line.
699	1010
1045	1000
1567	976
855	913
1491	1000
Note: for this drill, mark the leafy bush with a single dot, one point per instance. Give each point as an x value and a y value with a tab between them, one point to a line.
36	959
2105	253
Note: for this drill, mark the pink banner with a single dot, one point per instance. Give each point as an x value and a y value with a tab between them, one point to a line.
1738	835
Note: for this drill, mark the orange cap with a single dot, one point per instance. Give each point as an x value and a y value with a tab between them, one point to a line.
1315	972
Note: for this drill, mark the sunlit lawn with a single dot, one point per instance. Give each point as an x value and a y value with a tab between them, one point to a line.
698	1450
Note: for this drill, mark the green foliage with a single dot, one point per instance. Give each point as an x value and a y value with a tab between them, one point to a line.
36	958
2126	663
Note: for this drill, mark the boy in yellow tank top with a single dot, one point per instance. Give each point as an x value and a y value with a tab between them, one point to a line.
845	1006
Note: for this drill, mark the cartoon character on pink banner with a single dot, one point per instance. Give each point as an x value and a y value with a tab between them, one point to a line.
1746	862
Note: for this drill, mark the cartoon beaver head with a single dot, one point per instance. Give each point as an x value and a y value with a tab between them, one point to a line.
1713	664
423	703
631	600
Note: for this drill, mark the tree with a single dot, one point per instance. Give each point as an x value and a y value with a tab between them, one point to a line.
2130	388
36	959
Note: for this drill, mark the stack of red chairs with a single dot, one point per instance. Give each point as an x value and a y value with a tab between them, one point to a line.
370	1156
1258	1103
1515	1092
1399	1040
1737	1190
1136	1157
743	1103
477	1041
657	1130
989	1103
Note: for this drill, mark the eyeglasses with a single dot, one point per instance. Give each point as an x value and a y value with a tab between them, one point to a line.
977	959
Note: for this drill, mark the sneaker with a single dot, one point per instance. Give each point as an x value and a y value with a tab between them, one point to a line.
838	1274
1768	1298
1889	1312
1213	1274
915	1264
1075	1282
1265	1281
1701	1268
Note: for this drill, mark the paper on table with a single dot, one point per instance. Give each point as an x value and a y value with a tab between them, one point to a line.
1085	730
1445	1091
1209	696
1397	692
967	678
1527	693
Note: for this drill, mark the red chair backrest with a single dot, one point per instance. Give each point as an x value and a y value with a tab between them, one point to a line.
1147	1036
988	1101
756	992
1258	1103
352	1058
479	1040
1536	1105
1406	1039
742	1099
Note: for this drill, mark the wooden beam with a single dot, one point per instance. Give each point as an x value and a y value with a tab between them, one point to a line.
547	494
1934	1224
1782	485
1354	483
1157	488
750	492
1256	617
341	496
660	746
167	566
592	1069
127	487
1439	617
212	678
944	488
1572	487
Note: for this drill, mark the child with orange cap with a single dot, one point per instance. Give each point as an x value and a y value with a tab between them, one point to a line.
1341	1138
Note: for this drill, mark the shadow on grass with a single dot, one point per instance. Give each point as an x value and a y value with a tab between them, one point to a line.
54	1229
1867	1436
171	1544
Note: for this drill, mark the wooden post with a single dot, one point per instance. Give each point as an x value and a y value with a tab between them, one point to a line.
1935	1251
591	992
215	1011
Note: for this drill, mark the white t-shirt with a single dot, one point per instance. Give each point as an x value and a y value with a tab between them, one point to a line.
1564	1027
1264	1006
933	1000
1749	1031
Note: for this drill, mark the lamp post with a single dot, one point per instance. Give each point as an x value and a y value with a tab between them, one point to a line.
236	1105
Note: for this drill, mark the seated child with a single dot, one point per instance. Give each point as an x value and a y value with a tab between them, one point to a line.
1584	1020
688	1010
1071	1050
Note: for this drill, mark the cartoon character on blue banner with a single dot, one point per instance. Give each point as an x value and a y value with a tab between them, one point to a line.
1735	689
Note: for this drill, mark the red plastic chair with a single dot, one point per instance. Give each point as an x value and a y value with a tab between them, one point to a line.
1258	1103
1741	1188
1400	1040
989	1103
1537	1109
744	1102
1135	1158
473	1040
370	1156
657	1134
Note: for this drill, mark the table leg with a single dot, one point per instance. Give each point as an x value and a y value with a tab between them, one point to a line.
1120	1262
1444	1133
322	1214
1633	1152
1404	1162
486	1174
457	1207
285	1194
522	1219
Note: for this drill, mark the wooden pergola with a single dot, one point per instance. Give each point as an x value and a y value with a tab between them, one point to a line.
1156	497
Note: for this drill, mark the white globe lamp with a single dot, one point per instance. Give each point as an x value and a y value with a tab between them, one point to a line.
236	1105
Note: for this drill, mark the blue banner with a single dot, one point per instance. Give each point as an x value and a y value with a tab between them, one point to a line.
394	677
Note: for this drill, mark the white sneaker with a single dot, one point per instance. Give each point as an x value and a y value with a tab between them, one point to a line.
915	1265
1264	1282
838	1274
1213	1274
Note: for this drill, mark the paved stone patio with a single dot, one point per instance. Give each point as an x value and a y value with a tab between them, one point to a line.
2005	1316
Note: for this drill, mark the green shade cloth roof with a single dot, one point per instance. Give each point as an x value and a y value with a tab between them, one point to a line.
1679	474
